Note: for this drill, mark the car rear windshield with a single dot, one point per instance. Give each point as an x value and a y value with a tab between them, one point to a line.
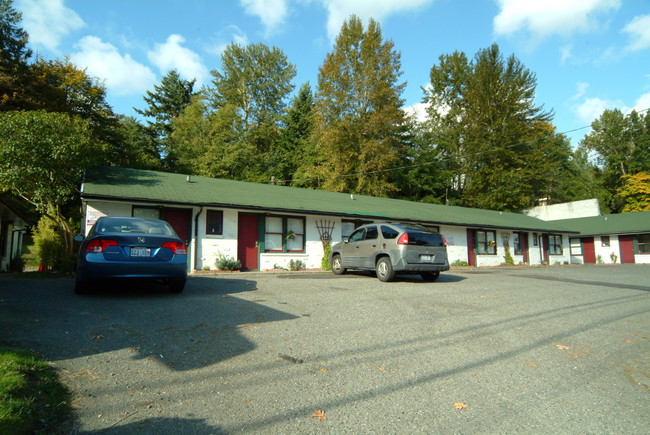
425	239
133	226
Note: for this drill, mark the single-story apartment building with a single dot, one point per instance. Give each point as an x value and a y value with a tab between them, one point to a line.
266	226
12	229
619	238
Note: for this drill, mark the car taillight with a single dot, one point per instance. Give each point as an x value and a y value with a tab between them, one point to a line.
176	247
444	241
99	245
403	239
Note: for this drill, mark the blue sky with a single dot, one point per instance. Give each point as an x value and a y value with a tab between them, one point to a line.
588	55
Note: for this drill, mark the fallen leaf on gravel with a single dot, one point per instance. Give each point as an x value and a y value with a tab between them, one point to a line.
561	347
320	414
460	405
380	368
628	341
323	370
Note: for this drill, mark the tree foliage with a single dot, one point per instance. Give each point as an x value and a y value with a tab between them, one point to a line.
164	105
635	191
43	157
621	144
359	121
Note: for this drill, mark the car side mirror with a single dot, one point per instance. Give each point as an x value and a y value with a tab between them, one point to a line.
79	238
346	239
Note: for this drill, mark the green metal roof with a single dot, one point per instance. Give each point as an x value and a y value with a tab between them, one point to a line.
148	186
625	223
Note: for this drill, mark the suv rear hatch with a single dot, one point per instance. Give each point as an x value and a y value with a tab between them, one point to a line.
424	248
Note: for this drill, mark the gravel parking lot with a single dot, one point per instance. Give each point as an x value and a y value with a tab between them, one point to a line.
562	349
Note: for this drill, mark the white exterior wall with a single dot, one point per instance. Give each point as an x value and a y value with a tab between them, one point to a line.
567	210
605	252
642	258
456	243
210	246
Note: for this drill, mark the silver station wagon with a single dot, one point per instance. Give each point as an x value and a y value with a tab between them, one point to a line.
389	249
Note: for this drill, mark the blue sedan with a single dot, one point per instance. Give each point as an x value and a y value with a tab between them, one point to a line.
131	248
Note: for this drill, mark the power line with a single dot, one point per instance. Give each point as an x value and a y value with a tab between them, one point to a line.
415	165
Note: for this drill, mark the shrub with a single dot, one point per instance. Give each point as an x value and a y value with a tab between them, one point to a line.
460	263
227	263
325	261
49	244
297	265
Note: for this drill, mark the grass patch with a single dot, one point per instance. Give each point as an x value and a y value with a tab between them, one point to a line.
32	399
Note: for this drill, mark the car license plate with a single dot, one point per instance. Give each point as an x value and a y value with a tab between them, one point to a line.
140	252
424	258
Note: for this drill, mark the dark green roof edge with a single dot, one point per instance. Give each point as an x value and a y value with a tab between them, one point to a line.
624	223
113	183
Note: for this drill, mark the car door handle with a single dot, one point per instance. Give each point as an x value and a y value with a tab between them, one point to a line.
374	246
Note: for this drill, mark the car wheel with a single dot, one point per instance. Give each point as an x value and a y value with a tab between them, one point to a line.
337	265
430	276
176	286
81	287
385	270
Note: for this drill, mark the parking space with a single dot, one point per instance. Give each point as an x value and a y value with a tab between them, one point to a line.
505	350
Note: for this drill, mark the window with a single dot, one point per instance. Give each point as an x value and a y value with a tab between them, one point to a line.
604	241
388	232
214	222
535	242
486	243
284	234
357	235
146	212
516	244
643	241
555	245
371	233
576	247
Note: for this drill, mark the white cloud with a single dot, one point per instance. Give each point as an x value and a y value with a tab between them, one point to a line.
272	13
643	103
418	111
565	53
340	10
592	108
639	30
232	34
48	21
550	17
172	55
582	88
122	74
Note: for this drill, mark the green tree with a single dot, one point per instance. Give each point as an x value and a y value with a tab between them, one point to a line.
14	56
492	136
621	144
135	147
164	105
359	121
289	154
42	159
253	85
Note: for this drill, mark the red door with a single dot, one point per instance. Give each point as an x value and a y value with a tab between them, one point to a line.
626	244
247	241
588	250
545	248
181	221
471	255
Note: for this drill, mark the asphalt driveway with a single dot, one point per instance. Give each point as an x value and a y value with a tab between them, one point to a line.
515	350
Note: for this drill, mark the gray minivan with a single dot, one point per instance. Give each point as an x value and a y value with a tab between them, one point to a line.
391	248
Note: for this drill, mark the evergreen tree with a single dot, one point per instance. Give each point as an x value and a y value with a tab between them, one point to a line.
495	140
165	103
15	79
359	121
